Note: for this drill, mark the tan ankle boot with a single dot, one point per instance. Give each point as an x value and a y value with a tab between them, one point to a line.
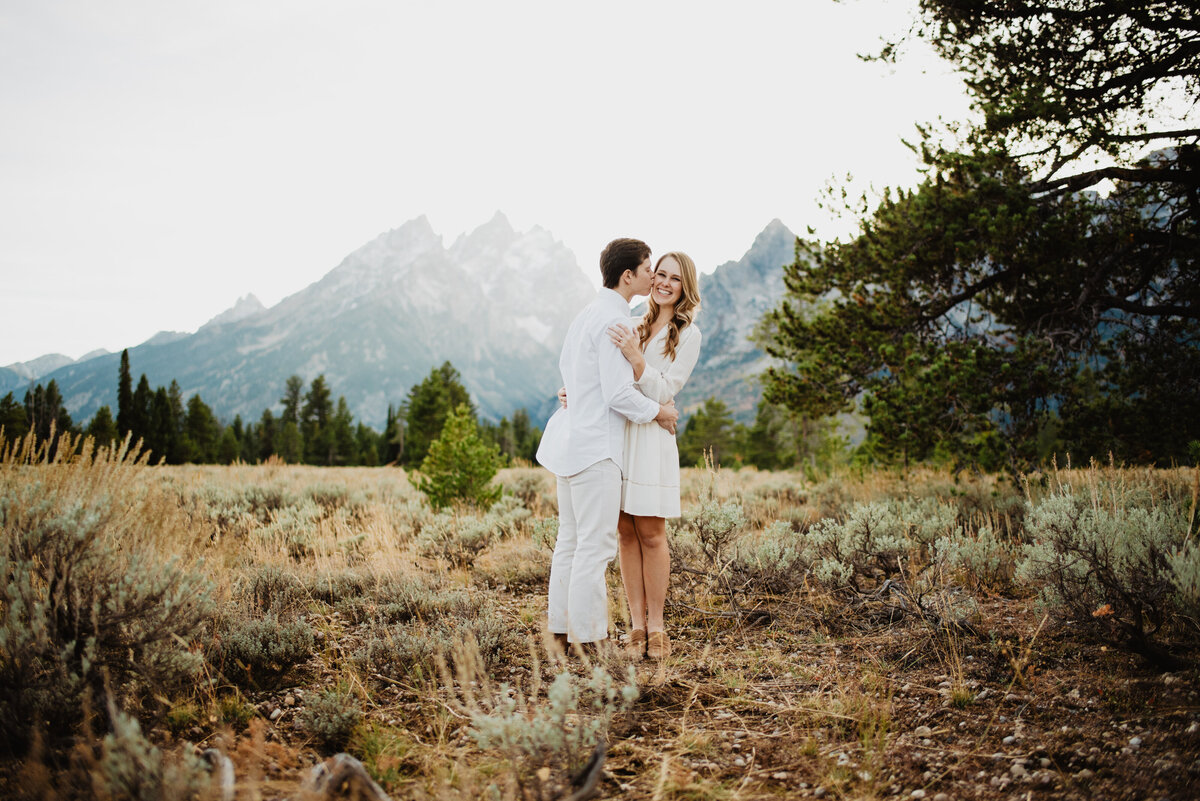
658	645
636	647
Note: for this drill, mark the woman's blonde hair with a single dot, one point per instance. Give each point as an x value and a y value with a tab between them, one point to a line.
685	308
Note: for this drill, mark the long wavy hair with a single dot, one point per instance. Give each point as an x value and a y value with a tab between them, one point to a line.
685	308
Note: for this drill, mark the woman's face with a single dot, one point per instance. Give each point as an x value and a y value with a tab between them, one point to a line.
668	283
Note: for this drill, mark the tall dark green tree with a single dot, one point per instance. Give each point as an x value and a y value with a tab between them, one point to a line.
392	441
124	395
998	303
201	431
710	428
103	429
44	409
266	435
293	396
367	445
161	428
141	413
426	408
12	418
345	445
316	423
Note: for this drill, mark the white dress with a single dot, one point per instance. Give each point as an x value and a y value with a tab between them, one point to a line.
650	470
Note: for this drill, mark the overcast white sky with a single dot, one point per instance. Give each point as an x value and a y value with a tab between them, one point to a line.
160	159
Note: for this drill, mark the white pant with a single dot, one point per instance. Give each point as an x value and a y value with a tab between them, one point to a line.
589	504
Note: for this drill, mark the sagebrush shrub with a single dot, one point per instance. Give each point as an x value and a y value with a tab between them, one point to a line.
716	526
130	768
772	561
1105	564
556	736
983	560
259	651
332	715
86	592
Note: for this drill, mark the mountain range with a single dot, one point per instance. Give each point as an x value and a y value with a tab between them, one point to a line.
495	303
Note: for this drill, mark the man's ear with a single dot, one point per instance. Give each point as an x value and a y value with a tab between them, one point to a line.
627	277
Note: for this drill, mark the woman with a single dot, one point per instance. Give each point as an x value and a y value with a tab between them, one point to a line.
663	350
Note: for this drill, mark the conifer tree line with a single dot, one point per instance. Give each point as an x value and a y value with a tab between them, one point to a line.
312	428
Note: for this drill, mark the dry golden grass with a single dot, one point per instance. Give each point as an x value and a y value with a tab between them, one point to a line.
801	690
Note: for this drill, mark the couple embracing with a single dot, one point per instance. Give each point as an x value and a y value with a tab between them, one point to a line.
612	447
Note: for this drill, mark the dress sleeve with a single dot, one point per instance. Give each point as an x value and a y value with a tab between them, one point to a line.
664	385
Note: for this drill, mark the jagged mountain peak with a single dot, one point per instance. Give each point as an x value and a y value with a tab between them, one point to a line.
246	306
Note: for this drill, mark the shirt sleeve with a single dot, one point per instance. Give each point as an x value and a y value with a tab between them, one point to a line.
664	385
617	385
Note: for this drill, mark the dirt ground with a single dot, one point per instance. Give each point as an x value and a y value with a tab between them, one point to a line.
810	703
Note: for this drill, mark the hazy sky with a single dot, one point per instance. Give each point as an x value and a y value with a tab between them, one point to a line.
160	159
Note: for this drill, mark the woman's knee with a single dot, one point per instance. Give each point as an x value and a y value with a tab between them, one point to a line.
652	533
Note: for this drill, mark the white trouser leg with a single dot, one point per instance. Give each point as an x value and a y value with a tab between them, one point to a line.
589	503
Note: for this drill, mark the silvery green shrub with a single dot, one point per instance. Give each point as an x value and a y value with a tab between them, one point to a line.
984	559
559	733
1185	566
332	715
291	529
459	537
716	526
259	651
772	561
872	539
131	768
1104	564
79	603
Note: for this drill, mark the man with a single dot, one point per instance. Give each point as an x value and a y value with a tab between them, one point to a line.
583	446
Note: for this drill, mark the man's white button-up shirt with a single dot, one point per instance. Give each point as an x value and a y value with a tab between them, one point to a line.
601	394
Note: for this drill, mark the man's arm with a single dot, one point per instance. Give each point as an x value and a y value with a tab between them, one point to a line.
620	394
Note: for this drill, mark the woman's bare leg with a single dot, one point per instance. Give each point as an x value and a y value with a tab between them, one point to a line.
656	568
629	550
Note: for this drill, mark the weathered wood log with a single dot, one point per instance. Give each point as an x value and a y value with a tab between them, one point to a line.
221	767
589	775
342	777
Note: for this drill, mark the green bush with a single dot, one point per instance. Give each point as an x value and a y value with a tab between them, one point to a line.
715	526
259	652
86	593
1106	564
559	734
332	715
460	537
771	561
130	768
982	561
460	465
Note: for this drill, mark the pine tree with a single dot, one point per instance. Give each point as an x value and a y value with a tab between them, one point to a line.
124	395
142	412
266	435
103	429
44	409
367	444
711	428
427	407
13	418
289	444
202	431
345	444
316	417
293	394
392	440
459	465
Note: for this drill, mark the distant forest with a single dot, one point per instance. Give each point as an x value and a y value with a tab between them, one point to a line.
311	429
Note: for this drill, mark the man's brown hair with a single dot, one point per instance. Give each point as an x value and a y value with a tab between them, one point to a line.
620	255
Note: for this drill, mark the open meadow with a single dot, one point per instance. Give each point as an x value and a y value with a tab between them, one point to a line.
861	635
